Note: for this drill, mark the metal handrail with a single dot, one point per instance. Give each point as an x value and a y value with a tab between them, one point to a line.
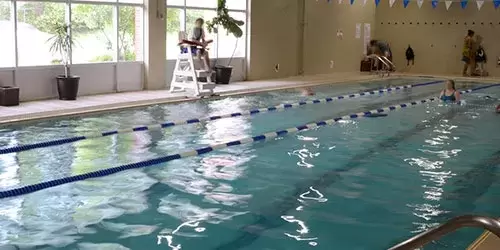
392	66
488	223
378	58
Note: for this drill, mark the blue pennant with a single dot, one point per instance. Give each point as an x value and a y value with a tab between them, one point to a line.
352	2
463	3
378	1
496	3
405	3
434	3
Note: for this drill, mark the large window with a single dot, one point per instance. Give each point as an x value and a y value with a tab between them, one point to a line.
35	21
103	30
93	33
182	14
7	49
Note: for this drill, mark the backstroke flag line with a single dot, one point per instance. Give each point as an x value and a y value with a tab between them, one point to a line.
421	2
447	3
479	4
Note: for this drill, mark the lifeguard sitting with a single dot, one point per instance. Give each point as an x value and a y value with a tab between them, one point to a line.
198	44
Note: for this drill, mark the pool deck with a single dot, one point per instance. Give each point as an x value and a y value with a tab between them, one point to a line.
43	109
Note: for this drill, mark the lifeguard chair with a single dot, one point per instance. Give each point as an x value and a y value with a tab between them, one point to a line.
188	71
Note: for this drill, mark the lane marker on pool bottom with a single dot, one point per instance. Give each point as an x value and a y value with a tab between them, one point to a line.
200	151
169	124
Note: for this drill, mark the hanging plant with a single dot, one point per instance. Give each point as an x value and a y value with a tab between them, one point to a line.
224	20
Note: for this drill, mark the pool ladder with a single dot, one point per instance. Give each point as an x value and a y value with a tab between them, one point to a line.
490	224
387	65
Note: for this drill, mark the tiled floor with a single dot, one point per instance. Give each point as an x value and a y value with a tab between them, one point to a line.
86	104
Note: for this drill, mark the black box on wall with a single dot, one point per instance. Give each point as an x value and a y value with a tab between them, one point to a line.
9	96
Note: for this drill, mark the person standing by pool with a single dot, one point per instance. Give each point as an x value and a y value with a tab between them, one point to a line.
449	93
468	55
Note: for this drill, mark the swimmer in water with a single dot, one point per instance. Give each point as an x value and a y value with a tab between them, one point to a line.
450	94
307	92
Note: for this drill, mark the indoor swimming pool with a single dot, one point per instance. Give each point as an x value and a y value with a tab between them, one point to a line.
366	183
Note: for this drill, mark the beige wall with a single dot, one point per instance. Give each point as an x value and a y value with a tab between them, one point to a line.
322	45
437	46
276	37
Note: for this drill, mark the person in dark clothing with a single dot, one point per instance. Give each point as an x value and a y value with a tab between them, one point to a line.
468	55
198	35
481	58
381	48
410	56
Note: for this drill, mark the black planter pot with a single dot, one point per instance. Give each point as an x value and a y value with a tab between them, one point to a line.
9	96
223	74
67	87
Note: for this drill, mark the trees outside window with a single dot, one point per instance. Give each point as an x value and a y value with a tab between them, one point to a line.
93	32
130	33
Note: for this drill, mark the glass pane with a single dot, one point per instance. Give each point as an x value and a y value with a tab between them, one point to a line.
206	15
93	33
175	23
201	3
7	56
175	2
229	45
236	4
130	30
35	22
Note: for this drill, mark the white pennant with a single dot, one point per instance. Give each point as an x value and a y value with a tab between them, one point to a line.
340	1
419	3
448	4
391	3
479	4
364	2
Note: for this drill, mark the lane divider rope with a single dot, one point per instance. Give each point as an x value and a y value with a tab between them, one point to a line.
200	151
56	142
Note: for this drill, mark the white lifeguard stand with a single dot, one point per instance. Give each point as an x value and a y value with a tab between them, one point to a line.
186	75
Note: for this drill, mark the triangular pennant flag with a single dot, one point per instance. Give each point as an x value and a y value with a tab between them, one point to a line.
496	3
463	3
364	2
421	2
434	3
405	3
448	4
479	4
391	3
378	1
352	2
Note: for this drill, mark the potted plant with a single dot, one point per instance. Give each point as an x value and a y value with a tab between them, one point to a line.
231	25
61	43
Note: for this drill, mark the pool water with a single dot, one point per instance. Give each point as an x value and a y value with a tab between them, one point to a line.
360	184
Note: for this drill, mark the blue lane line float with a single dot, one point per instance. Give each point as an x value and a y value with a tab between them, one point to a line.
169	124
200	151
